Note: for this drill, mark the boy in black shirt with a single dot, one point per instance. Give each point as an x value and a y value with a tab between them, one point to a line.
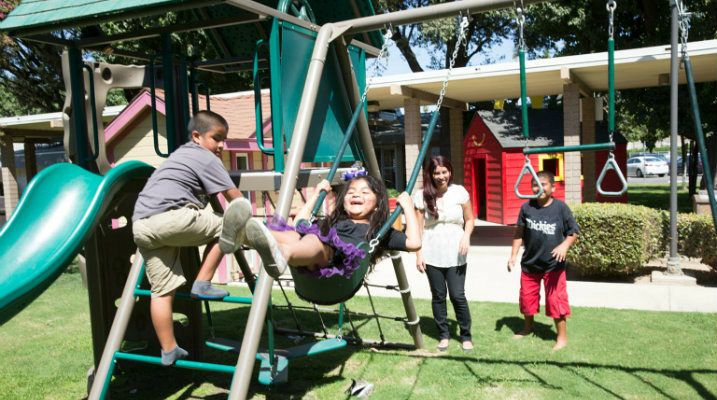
547	229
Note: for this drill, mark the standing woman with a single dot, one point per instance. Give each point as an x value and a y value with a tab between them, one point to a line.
445	217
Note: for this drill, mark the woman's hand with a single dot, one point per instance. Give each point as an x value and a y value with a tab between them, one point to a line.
464	245
420	263
511	263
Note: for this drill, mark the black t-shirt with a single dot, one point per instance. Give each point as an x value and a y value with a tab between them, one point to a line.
544	229
352	232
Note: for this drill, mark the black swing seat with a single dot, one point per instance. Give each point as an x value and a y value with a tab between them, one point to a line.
332	290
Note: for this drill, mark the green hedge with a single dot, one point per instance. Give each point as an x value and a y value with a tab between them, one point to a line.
697	237
615	239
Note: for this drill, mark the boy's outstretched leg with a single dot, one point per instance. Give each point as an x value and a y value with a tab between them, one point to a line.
161	312
236	215
561	325
528	327
202	287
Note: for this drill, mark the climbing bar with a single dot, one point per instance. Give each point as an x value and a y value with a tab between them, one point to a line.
527	168
187	364
228	299
611	164
93	106
153	111
566	149
257	78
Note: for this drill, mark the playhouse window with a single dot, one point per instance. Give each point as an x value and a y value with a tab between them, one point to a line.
242	160
552	163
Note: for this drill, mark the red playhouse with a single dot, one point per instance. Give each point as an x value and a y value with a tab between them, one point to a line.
493	158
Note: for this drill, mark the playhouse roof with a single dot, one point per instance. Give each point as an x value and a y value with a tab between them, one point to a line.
237	108
545	128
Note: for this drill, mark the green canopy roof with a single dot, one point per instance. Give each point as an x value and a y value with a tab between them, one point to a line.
43	16
49	14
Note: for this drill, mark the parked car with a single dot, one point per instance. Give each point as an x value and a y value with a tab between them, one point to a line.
664	157
647	165
681	165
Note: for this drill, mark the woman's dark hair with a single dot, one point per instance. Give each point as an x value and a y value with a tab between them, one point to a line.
430	192
378	217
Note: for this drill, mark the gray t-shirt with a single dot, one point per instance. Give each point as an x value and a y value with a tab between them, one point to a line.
189	176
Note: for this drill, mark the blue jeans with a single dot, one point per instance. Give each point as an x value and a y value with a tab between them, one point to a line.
452	281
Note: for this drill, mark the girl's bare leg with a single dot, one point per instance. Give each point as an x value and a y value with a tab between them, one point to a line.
285	237
308	252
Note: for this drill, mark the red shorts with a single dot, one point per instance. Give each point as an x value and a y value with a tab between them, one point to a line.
556	293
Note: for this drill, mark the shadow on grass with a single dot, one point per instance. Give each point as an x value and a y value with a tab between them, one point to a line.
577	368
141	381
515	324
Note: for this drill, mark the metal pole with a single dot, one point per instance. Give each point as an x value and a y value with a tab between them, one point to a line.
673	261
364	133
119	327
414	328
433	12
262	292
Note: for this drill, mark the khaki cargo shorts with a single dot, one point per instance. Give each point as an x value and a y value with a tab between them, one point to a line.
159	238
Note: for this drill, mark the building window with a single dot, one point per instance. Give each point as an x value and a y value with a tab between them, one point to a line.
242	162
553	163
387	163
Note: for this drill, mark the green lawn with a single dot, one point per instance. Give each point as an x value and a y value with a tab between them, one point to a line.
45	353
658	196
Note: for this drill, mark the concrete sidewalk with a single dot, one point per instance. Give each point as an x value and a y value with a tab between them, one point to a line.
489	280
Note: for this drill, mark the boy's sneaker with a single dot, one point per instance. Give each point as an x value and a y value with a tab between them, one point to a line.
205	291
260	239
236	215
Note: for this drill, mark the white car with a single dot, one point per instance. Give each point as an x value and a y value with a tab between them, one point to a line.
646	165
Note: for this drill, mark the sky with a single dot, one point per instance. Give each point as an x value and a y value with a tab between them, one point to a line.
397	64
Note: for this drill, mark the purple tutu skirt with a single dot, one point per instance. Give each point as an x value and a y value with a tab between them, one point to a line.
347	256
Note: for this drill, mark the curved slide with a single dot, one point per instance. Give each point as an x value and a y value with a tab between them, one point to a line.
56	214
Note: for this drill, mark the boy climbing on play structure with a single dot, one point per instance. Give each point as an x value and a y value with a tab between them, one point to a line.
547	229
171	213
328	247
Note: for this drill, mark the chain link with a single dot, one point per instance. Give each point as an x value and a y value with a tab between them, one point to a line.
611	6
520	19
684	25
459	42
377	61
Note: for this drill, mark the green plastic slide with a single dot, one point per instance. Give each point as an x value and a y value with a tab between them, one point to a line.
56	214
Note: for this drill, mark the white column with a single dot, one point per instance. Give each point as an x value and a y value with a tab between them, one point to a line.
413	136
588	128
571	130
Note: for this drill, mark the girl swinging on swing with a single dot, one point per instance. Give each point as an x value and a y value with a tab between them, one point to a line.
327	247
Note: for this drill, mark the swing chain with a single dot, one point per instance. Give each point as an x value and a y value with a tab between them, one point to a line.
684	24
611	6
372	245
377	61
520	19
454	56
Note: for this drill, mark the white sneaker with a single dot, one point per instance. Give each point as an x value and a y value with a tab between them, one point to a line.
260	239
236	215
